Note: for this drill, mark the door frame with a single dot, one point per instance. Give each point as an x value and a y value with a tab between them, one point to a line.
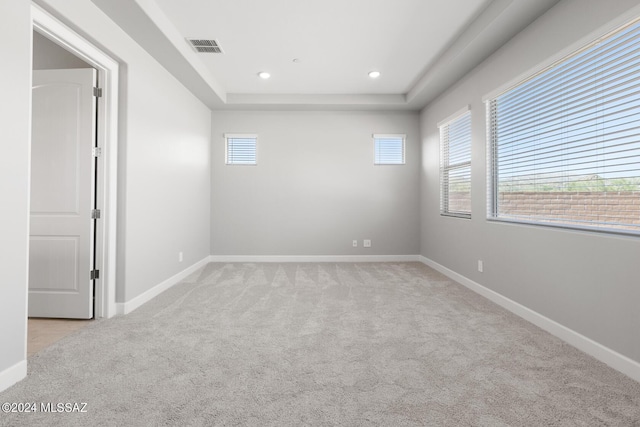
107	139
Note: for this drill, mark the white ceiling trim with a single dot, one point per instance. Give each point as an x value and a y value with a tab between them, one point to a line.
146	23
150	28
319	101
157	16
498	23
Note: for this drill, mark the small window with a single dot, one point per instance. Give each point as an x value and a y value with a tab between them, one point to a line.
388	149
241	149
455	165
564	144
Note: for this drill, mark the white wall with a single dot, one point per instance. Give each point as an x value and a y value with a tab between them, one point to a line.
15	87
163	165
167	179
587	282
315	187
47	55
163	171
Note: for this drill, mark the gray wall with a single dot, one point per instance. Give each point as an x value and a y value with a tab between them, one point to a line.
163	170
163	165
315	187
588	282
15	86
47	55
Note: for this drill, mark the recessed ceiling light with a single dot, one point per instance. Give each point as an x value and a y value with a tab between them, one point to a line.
264	75
374	74
296	60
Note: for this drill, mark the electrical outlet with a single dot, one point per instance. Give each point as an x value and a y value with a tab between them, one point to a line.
480	266
355	243
366	243
180	257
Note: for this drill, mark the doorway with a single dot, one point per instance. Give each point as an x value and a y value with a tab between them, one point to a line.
78	53
63	209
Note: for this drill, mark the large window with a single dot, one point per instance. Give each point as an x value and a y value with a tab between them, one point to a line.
565	144
241	149
455	165
388	149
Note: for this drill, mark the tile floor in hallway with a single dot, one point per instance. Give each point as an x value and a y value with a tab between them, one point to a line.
44	332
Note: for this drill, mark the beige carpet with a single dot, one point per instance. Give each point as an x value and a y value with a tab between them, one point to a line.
393	344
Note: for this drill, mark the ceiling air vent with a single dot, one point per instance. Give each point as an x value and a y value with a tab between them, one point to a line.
205	46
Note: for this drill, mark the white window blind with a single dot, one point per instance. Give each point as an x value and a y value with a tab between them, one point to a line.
455	165
565	144
241	149
388	149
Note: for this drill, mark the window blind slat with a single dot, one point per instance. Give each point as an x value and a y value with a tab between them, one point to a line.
598	72
568	67
455	166
565	144
241	150
569	107
389	150
573	149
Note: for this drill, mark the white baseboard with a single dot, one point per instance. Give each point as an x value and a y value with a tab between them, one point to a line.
314	258
129	306
617	361
12	375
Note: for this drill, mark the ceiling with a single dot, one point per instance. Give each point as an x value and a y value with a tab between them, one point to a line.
319	52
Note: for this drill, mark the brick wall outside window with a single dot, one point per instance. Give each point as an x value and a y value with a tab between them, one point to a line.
572	208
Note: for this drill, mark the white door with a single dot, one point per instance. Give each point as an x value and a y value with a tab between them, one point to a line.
62	183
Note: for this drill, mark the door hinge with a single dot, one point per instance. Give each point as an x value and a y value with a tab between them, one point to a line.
95	274
97	92
95	213
96	151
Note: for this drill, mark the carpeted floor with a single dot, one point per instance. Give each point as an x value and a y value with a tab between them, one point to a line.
393	344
